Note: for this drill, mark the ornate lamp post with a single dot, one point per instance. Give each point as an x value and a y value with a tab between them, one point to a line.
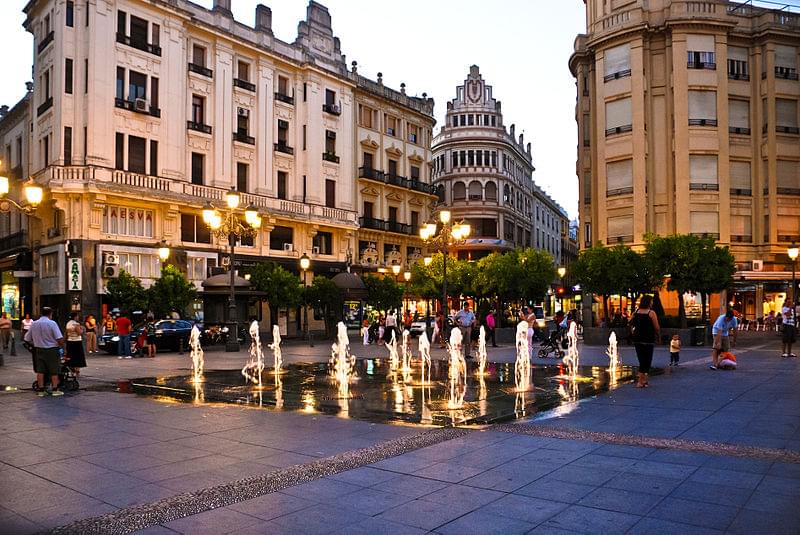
305	263
163	251
233	224
407	278
561	272
31	192
792	251
449	234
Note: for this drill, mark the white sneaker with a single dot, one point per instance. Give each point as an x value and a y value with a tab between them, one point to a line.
128	357
120	357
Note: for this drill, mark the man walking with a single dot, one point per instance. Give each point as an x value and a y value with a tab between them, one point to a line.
5	330
465	320
124	333
789	328
721	334
46	338
491	323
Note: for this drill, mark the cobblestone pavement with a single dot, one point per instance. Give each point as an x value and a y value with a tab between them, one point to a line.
701	451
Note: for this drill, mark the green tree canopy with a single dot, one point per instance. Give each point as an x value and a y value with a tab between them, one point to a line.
325	296
383	293
715	271
127	292
594	270
283	288
679	256
537	272
172	291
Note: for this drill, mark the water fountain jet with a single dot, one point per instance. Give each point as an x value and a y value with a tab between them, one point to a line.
613	358
457	372
198	360
406	350
482	354
342	362
425	357
394	359
255	364
522	366
275	346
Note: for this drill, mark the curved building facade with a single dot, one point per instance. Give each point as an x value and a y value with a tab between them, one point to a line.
483	174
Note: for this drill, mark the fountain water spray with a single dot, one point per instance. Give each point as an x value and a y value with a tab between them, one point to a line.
522	366
394	359
275	346
342	361
482	352
613	358
406	349
198	361
457	372
425	356
255	365
572	358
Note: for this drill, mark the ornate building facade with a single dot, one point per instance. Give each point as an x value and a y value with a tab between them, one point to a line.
143	112
688	119
483	174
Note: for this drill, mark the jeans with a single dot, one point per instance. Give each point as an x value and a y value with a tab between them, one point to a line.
466	339
491	337
124	345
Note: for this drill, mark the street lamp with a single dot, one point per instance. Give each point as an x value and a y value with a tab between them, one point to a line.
450	234
232	224
561	272
163	251
31	192
305	263
407	278
792	252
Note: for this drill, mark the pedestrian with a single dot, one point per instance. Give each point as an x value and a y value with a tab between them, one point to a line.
90	327
123	326
530	318
646	331
490	325
391	325
438	330
674	350
381	328
720	332
5	330
46	338
25	325
109	325
75	357
789	329
465	320
150	337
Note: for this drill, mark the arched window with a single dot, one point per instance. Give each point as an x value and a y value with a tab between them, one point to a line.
440	192
506	194
475	191
490	189
459	191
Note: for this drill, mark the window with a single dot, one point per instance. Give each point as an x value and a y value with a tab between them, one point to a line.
155	38
68	76
414	220
739	116
122	26
619	178
330	142
494	120
153	157
490	191
413	133
330	97
392	168
243	71
786	62
393	213
241	176
788	175
368	210
123	221
470	157
365	116
120	87
283	86
153	92
391	125
282	179
618	116
617	62
701	52
330	193
740	178
279	236
70	12
620	229
138	32
47	85
703	172
50	265
475	191
455	159
198	108
67	145
199	55
193	229
198	168
786	116
305	91
494	159
136	154
738	68
323	241
470	120
414	172
119	152
243	122
137	85
704	223
703	108
368	160
283	131
459	191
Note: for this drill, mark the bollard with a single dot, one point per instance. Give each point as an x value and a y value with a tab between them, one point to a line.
13	351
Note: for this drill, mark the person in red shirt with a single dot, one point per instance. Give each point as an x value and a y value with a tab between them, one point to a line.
124	333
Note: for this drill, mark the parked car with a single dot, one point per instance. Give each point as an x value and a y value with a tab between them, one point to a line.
109	342
168	335
417	325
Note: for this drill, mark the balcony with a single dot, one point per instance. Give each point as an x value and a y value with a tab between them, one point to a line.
372	223
786	73
44	106
333	109
701	65
46	41
284	98
242	137
330	157
395	180
741	192
138	44
372	174
198	127
422	187
201	70
137	106
615	76
619	130
13	242
740	130
789	191
619	191
628	238
787	238
714	235
702	122
702	186
738	76
244	84
741	238
787	129
398	228
281	146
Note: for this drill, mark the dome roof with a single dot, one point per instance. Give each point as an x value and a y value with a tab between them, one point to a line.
223	280
348	281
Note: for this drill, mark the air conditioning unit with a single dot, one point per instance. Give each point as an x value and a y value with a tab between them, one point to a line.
288	247
110	259
244	112
110	272
53	232
140	104
315	250
758	265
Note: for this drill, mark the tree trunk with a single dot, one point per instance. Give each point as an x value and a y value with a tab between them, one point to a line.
605	310
681	310
703	299
273	315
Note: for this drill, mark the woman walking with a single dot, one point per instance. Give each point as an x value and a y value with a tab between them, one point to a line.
91	334
646	332
75	356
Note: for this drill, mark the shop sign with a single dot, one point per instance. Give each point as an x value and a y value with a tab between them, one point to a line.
74	278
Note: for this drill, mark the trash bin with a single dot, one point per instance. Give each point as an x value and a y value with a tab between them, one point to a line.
699	335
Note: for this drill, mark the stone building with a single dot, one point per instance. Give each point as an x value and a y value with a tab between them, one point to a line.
687	119
145	111
483	173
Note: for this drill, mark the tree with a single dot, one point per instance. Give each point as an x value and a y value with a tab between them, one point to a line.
126	292
283	288
172	291
678	256
537	272
715	271
594	270
426	281
634	274
324	295
383	293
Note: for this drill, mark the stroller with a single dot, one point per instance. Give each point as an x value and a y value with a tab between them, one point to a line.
552	344
67	380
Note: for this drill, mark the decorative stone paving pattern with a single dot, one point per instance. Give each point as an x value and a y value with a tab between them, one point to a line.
191	503
710	448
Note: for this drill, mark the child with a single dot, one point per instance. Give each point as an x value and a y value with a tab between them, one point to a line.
674	350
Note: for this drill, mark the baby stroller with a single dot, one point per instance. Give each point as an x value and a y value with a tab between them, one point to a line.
67	380
552	345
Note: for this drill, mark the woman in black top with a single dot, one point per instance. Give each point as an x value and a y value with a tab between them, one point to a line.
645	334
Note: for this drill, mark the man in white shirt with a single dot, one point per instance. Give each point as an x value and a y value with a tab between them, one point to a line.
46	338
789	329
465	320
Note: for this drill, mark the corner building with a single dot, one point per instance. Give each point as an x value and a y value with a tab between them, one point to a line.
143	111
687	117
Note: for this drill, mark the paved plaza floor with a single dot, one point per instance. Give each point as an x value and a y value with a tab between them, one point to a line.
701	451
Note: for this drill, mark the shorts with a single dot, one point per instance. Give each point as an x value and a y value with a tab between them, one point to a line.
789	334
47	361
723	345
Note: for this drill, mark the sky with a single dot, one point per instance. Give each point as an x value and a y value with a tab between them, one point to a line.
521	46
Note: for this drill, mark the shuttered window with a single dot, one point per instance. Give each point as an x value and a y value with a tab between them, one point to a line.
703	172
786	115
620	229
740	178
617	62
786	62
703	108
788	227
788	177
618	116
738	68
741	228
704	223
619	177
739	116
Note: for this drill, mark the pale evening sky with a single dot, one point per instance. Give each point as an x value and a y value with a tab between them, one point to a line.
521	46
